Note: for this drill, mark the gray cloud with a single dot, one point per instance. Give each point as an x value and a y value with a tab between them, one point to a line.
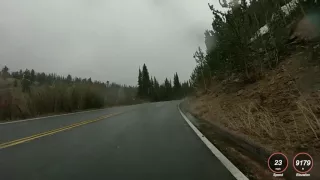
103	39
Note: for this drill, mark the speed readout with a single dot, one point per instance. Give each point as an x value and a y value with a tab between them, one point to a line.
278	162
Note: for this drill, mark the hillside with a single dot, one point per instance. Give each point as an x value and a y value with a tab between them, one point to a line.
280	111
266	90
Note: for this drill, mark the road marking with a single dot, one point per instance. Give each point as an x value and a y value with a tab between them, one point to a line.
32	119
54	131
225	161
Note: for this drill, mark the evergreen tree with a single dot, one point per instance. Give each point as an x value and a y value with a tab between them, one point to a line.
156	83
168	89
41	78
20	74
145	81
15	75
5	72
140	85
69	78
25	82
150	89
32	75
176	86
176	82
156	89
27	74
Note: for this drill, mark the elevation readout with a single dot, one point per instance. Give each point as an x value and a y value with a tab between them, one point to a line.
302	163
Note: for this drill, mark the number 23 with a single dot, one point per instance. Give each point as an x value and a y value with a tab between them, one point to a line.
278	162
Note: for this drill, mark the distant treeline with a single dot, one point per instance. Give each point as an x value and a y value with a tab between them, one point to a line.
150	89
27	93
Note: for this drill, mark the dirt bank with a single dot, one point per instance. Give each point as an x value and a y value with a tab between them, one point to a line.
280	112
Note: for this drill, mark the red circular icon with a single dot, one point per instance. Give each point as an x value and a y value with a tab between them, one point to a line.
302	163
278	162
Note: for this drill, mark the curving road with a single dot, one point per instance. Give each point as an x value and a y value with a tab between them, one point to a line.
147	141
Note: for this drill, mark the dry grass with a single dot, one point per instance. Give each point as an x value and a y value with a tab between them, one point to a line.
263	126
310	117
256	119
281	112
258	122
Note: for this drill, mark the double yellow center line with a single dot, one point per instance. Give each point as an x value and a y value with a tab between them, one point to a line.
54	131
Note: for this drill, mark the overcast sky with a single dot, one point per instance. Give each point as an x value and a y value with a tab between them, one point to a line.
103	39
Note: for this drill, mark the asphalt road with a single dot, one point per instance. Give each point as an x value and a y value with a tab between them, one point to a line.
148	141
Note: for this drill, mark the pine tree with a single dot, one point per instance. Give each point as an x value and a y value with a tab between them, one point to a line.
176	86
140	85
27	74
20	74
156	89
32	75
149	88
69	78
168	89
41	77
25	82
176	82
151	94
5	72
156	83
145	81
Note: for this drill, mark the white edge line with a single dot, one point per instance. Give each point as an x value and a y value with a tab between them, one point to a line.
224	160
44	117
